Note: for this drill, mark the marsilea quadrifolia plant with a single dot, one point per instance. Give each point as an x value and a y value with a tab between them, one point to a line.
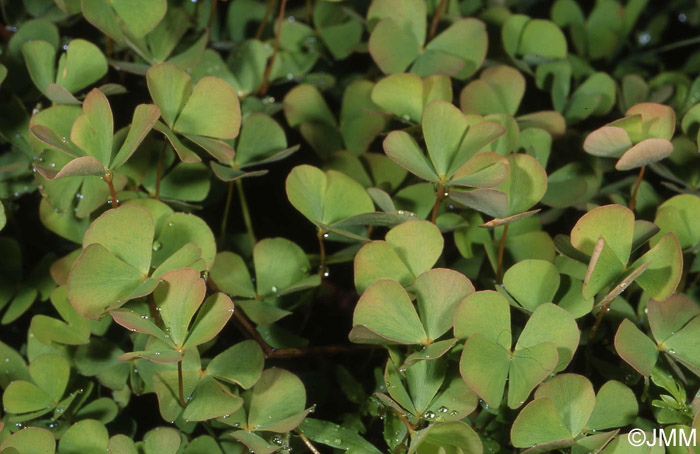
327	226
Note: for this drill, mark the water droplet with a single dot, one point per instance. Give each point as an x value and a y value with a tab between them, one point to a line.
442	409
429	415
157	245
171	224
274	289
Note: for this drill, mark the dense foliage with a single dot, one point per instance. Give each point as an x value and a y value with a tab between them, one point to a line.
371	226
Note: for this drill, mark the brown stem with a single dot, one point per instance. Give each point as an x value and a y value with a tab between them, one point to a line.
224	220
153	309
245	326
307	442
6	34
296	352
212	14
112	192
268	69
599	319
308	12
159	169
633	199
439	195
109	48
322	252
266	17
180	385
501	247
436	19
409	428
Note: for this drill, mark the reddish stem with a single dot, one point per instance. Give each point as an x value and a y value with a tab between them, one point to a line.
268	69
633	199
436	19
439	195
112	192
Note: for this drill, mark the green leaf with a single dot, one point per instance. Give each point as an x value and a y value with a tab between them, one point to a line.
210	400
82	65
212	110
138	18
84	436
92	131
74	331
444	127
24	397
405	95
254	442
32	440
145	117
403	150
178	297
455	435
681	215
438	292
542	39
40	58
279	265
614	223
499	89
392	47
276	402
486	313
604	269
336	436
532	282
484	366
644	153
663	275
615	406
635	348
241	364
326	198
524	186
162	440
550	323
213	315
231	275
385	315
100	281
538	424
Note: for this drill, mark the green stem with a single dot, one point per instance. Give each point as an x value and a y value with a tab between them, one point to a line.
322	252
246	214
662	49
501	248
159	169
224	220
180	385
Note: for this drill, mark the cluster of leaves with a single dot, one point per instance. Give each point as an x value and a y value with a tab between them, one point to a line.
491	226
